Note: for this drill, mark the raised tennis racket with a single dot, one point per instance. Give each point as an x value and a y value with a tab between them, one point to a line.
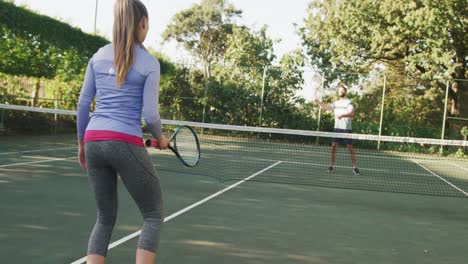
184	143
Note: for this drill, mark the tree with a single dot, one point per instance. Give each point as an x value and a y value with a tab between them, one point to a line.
283	108
248	48
38	46
234	94
233	91
418	37
179	88
203	30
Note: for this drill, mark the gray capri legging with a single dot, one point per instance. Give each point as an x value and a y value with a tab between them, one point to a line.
107	159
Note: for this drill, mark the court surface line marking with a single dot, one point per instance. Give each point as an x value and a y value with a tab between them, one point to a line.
337	166
32	162
463	168
441	178
186	209
37	150
319	152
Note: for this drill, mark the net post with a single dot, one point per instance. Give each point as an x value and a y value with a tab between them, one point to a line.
445	116
382	110
320	109
265	68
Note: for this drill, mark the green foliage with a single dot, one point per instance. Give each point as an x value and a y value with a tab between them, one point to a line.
282	106
38	46
414	37
203	29
230	103
234	92
11	85
179	90
42	36
401	37
420	38
464	132
26	56
247	48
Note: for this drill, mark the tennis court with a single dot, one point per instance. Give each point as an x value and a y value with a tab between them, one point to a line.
249	200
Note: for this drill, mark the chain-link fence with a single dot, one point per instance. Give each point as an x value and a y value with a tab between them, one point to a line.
281	97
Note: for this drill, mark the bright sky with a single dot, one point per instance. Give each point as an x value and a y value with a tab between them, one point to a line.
278	15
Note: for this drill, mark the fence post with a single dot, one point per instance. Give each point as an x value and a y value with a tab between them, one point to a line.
204	101
55	115
445	116
322	84
265	68
382	110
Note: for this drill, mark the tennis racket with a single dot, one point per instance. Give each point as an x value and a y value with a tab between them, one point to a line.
317	81
184	143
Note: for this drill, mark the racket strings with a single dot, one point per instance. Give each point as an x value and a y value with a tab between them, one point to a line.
187	145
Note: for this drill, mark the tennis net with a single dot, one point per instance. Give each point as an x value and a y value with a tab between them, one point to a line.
231	153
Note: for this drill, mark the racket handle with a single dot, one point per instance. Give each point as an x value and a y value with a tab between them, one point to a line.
152	143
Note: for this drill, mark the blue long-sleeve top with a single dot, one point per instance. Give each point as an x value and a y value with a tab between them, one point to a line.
119	108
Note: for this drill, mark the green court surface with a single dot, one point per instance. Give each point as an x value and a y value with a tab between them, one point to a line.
281	206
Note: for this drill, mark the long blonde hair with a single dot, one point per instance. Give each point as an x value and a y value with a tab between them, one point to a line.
127	16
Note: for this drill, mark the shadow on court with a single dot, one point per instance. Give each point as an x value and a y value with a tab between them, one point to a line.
273	223
48	210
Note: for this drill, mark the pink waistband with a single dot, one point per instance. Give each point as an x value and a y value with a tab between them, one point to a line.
101	135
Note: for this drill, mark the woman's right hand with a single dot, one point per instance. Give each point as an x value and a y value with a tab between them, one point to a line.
163	143
81	155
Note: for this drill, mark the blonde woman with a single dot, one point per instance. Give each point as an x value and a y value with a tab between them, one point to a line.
124	79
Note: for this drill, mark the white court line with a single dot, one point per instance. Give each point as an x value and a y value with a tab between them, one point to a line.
34	162
326	165
31	151
318	152
463	168
347	167
188	208
435	174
